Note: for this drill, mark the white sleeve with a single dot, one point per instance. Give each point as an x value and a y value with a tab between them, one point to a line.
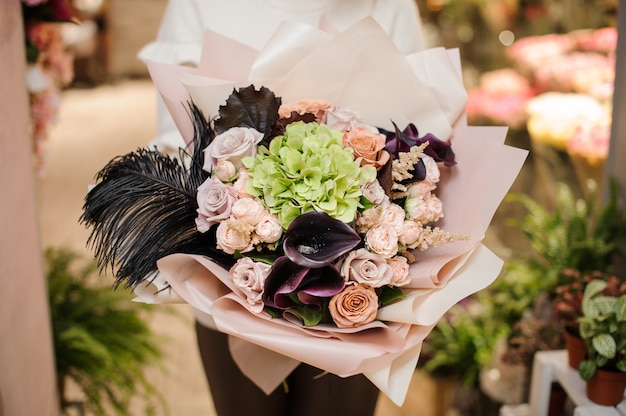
179	41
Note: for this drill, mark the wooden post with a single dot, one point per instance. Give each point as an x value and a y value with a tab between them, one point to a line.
27	380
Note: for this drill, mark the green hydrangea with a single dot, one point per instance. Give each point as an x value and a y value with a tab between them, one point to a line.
308	169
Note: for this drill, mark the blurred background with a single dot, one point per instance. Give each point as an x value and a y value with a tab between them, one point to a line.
544	68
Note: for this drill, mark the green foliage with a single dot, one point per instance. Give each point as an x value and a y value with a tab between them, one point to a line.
101	341
464	341
603	327
577	235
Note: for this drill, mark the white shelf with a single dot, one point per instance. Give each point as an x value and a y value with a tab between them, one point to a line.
551	366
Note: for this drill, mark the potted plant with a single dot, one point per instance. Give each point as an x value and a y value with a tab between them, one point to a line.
101	340
567	305
603	328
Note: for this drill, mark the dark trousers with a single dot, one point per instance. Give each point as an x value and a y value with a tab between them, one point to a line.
235	395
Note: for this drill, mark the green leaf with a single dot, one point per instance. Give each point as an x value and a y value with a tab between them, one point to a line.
605	345
310	316
389	294
587	369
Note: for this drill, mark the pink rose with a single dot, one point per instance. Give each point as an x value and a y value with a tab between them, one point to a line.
247	209
225	170
417	209
343	119
240	184
419	189
367	145
410	233
374	192
363	266
400	267
382	239
316	107
394	215
249	276
355	306
268	229
232	145
215	200
230	238
435	208
432	171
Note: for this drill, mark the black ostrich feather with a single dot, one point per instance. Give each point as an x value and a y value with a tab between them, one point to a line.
144	208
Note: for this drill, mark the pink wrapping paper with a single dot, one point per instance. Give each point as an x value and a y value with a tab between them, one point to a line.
362	70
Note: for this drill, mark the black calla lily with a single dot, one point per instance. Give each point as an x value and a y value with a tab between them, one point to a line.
315	239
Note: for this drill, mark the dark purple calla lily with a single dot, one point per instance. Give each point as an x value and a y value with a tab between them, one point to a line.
315	239
286	279
402	141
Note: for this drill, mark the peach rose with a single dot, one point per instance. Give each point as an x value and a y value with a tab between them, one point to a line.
225	170
417	209
355	306
240	184
249	276
367	145
382	239
394	215
400	267
363	266
230	238
316	107
435	208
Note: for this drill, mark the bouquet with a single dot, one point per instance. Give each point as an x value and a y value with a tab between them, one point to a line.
328	218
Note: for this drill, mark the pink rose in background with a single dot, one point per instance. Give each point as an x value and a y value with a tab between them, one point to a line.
215	200
268	229
400	267
363	266
316	107
367	145
356	305
410	233
249	276
382	239
247	209
231	238
232	145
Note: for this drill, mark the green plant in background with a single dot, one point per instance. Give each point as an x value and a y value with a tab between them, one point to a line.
101	340
577	235
464	341
603	327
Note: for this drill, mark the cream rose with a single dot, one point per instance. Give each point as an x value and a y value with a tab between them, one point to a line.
240	184
268	229
231	237
367	145
355	306
419	190
400	267
344	119
316	107
215	200
363	266
232	145
417	209
249	276
247	209
374	192
382	239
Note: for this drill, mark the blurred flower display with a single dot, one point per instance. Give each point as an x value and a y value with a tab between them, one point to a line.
49	67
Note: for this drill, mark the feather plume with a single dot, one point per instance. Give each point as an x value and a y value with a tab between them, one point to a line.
144	208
